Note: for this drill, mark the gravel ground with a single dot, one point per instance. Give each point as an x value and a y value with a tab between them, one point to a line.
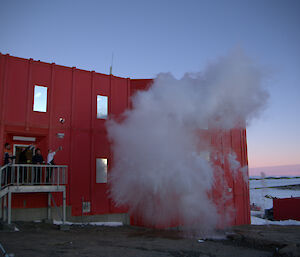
41	239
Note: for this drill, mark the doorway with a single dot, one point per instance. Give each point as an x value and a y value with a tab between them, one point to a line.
27	156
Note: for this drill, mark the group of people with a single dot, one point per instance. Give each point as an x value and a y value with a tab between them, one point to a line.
37	158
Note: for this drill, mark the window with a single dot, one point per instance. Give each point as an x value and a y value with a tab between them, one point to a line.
205	155
40	99
101	170
102	107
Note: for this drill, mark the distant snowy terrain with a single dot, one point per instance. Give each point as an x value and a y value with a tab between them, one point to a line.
273	182
258	197
259	221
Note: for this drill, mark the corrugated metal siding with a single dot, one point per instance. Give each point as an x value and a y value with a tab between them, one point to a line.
72	95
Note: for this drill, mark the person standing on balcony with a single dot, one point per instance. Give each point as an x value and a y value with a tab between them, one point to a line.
8	159
24	160
51	154
37	159
50	161
23	155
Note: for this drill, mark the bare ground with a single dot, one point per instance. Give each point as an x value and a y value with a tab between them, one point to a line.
41	239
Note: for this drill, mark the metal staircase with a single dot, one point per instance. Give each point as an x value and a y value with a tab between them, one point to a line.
29	178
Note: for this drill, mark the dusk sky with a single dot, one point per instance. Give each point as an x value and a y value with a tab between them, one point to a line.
149	37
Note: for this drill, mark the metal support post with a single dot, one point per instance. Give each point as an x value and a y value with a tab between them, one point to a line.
64	206
49	207
9	209
5	208
1	208
18	175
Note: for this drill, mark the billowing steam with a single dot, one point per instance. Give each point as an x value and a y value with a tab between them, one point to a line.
161	171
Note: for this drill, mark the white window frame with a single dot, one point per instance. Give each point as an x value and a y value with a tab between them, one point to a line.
102	110
101	176
36	107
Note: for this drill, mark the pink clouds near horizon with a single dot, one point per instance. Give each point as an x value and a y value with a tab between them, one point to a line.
282	170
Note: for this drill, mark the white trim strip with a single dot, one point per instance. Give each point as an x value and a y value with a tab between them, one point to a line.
19	138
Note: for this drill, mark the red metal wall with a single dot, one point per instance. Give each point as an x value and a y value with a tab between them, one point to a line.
286	208
72	95
231	191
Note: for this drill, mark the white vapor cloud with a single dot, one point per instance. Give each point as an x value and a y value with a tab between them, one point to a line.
160	169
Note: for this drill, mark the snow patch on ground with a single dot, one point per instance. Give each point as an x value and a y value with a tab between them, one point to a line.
257	196
109	224
260	221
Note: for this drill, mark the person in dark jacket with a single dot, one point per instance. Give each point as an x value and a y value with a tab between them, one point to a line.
37	159
23	160
23	155
8	159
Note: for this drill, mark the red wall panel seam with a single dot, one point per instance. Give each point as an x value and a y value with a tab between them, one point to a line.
51	104
71	144
91	187
28	91
3	100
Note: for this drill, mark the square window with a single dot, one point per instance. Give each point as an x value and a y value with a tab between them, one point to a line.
102	107
205	155
40	99
101	170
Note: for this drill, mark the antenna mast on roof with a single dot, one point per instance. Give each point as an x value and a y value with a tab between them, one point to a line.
112	59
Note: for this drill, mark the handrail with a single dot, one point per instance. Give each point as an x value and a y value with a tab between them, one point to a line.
32	174
3	171
4	167
4	253
36	165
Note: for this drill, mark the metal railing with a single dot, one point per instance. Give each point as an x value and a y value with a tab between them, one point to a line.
32	174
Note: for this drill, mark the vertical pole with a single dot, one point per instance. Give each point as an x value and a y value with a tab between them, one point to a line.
12	170
58	175
9	209
52	179
1	208
43	171
18	175
13	175
5	208
49	207
33	172
64	206
6	176
1	178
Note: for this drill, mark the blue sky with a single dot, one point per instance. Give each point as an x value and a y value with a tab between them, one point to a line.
148	37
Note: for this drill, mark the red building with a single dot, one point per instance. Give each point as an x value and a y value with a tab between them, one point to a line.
286	208
51	105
